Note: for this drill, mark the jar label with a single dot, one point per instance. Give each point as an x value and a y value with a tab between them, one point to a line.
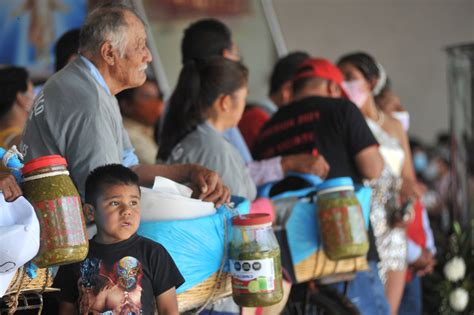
61	222
357	225
253	276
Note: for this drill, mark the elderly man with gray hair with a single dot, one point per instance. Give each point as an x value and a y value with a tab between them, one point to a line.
77	116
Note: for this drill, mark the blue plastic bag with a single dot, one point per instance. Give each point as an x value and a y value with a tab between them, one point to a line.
197	245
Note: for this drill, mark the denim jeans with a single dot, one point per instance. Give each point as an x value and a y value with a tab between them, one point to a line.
411	301
366	292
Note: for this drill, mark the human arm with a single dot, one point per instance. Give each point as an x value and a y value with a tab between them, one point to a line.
369	162
362	144
410	189
10	188
274	169
206	184
166	302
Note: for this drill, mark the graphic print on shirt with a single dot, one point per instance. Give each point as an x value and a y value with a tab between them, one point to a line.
110	289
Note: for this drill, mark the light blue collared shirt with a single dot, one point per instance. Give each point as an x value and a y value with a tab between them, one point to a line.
95	73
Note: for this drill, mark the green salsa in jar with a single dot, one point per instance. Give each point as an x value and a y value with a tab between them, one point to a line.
341	221
48	187
255	262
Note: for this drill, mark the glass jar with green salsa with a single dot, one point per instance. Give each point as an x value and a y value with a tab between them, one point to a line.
255	261
341	221
48	187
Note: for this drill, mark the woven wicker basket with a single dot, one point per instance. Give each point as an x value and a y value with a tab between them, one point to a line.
199	294
318	265
22	282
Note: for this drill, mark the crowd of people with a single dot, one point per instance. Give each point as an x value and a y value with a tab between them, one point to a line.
330	120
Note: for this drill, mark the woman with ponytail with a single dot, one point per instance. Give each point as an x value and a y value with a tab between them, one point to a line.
209	98
364	80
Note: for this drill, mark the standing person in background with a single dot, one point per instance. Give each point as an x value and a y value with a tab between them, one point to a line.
421	247
320	118
16	100
280	94
364	80
141	108
210	38
77	116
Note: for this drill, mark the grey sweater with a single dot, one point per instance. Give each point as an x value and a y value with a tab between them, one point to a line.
207	147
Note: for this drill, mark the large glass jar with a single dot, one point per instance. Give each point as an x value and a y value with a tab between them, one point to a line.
48	187
341	220
255	262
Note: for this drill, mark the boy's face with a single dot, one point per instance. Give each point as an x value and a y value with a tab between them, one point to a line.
117	213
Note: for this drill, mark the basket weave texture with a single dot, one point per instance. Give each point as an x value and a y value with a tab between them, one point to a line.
318	265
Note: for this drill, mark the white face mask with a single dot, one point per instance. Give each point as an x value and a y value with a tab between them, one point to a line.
355	91
403	118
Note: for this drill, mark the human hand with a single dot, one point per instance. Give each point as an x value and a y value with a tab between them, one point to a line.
305	163
424	264
411	189
10	188
208	186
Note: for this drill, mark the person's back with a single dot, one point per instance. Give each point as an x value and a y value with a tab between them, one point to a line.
319	120
328	125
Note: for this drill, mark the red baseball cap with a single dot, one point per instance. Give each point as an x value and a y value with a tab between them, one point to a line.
320	68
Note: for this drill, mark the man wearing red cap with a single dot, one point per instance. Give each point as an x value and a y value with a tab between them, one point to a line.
321	121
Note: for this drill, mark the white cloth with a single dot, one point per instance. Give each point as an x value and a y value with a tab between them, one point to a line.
19	238
168	200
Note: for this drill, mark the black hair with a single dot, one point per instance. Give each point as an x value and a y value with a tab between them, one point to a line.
12	80
66	46
105	176
364	62
285	69
205	38
199	85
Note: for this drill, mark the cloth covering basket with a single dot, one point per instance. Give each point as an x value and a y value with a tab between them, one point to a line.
197	247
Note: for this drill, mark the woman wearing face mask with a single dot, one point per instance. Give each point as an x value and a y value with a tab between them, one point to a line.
16	100
209	99
390	104
141	108
363	81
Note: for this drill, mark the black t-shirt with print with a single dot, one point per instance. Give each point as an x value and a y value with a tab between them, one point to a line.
333	126
125	276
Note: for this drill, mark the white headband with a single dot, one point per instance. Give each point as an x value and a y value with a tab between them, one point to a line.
381	81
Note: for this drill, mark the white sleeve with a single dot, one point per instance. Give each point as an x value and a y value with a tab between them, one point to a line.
266	171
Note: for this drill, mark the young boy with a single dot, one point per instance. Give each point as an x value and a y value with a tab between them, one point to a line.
123	272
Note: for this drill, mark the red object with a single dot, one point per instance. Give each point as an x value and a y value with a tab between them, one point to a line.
43	161
321	68
416	232
315	152
251	123
252	219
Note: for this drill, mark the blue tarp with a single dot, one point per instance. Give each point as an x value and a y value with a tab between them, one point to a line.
196	245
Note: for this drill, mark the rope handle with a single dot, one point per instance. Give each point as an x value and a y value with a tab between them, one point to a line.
211	296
